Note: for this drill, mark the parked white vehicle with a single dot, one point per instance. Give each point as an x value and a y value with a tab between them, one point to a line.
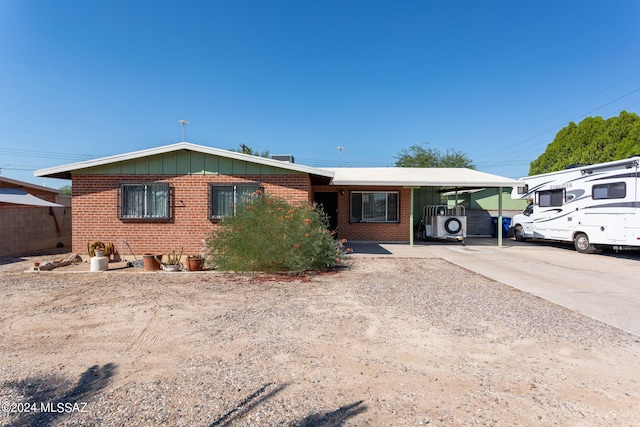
594	206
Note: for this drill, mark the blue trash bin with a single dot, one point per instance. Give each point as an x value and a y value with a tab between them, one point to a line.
506	223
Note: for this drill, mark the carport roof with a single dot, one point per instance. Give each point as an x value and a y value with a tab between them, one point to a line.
419	177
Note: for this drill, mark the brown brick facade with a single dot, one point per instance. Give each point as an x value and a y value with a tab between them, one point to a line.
96	217
378	232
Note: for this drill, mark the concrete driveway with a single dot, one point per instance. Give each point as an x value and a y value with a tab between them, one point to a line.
603	286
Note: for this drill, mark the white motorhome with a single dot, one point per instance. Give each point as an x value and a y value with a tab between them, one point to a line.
594	206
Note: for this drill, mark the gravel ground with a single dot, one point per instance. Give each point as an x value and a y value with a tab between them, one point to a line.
383	342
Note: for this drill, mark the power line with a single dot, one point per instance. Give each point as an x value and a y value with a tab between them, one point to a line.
45	154
560	126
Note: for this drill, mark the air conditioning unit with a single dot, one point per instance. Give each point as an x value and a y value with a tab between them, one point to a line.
283	157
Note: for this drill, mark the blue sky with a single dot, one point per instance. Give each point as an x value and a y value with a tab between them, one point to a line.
493	79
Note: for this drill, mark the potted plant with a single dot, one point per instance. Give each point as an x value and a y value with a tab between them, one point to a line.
173	262
195	262
99	249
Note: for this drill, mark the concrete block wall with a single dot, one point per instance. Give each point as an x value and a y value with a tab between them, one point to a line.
479	221
95	210
27	229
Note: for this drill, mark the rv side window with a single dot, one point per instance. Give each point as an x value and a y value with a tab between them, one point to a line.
615	190
550	198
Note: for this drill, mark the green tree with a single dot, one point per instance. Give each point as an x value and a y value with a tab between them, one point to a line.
245	149
417	156
593	140
65	190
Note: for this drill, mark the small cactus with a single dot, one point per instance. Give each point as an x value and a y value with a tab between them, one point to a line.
172	259
107	248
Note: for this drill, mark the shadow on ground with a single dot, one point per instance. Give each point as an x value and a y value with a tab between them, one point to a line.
250	402
334	418
325	419
368	248
53	397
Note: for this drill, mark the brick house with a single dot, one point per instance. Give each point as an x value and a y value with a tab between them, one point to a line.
173	196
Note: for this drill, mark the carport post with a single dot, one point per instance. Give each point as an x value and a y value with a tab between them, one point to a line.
411	217
499	217
411	221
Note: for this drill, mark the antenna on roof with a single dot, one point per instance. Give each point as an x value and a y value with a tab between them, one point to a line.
184	124
340	150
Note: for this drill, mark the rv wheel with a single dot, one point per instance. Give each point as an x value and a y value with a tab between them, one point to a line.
518	233
453	226
581	242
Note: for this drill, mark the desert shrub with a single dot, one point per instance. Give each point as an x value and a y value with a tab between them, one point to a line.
269	234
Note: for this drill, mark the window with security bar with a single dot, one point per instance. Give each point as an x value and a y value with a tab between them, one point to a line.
224	198
145	201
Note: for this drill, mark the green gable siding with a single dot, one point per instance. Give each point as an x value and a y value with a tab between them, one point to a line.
169	164
128	167
140	168
184	163
487	199
225	166
211	164
197	163
154	164
253	169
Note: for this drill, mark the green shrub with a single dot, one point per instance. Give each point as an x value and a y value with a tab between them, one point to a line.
269	234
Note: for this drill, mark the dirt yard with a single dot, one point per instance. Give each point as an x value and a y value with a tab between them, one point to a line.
384	342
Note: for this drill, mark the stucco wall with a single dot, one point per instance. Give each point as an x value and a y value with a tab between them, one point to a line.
26	229
95	210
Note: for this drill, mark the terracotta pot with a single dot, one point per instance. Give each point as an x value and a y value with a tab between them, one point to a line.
195	263
150	262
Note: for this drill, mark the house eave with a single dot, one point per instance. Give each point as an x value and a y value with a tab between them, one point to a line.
66	171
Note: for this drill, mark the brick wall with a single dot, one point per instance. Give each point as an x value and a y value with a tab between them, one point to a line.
379	232
95	210
26	229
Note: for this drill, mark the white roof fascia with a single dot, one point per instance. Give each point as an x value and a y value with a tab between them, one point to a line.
421	177
182	146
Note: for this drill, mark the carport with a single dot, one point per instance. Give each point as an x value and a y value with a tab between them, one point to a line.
428	182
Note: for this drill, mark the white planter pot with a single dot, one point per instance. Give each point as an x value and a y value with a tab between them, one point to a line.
172	267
